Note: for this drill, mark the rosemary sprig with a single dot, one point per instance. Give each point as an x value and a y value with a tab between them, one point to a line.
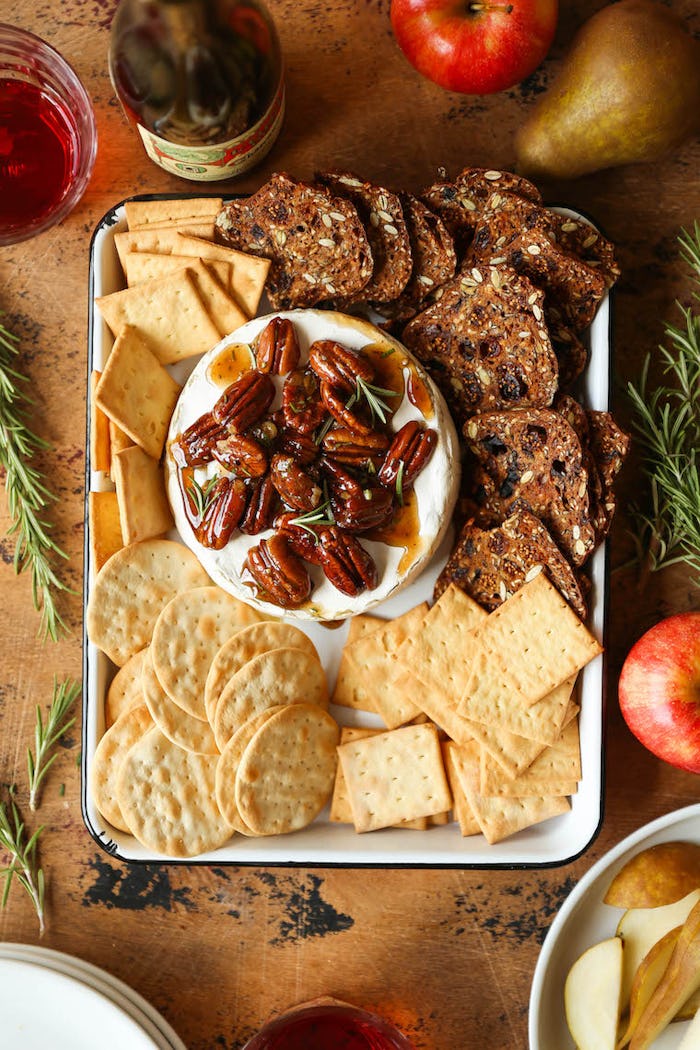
27	493
23	859
667	422
399	483
201	495
46	736
320	515
373	396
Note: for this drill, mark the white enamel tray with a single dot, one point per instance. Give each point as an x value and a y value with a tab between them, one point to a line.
583	920
556	841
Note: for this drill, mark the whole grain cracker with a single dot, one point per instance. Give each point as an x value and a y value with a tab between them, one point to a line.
187	636
137	393
243	646
108	758
125	691
227	769
144	510
374	661
104	527
286	774
130	590
499	818
393	776
167	797
188	732
526	648
279	676
169	313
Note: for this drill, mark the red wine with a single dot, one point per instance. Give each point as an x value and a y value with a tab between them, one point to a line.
38	144
329	1026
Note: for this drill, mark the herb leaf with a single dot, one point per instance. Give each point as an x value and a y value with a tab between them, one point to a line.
373	396
27	492
47	736
667	422
23	860
201	495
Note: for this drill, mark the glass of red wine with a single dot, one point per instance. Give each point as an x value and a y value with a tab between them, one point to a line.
328	1024
48	138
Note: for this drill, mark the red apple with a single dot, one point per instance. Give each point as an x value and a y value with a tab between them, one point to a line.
659	690
474	46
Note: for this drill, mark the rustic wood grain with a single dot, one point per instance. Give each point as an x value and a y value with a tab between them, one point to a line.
448	955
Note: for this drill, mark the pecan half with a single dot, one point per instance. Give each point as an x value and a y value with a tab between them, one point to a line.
297	488
244	402
345	562
342	483
370	510
223	512
338	365
303	541
410	449
261	506
356	450
277	349
242	455
302	407
336	404
281	576
301	446
194	447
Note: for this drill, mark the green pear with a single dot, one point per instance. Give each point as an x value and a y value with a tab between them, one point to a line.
629	91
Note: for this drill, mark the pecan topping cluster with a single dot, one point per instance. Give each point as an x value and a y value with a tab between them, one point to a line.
322	470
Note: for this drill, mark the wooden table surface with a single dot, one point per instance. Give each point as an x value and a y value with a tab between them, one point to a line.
447	954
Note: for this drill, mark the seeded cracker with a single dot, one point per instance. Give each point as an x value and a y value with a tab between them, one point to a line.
485	344
247	643
186	637
287	222
131	589
460	204
188	732
108	758
286	774
167	796
433	255
491	565
394	776
530	458
381	214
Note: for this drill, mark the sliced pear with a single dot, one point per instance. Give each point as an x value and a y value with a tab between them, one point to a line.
691	1038
646	980
657	876
689	1009
641	928
679	981
592	996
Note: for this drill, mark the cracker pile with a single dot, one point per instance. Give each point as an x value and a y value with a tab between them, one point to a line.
492	292
183	294
500	746
216	719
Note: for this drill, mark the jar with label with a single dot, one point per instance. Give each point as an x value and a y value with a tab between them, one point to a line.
202	80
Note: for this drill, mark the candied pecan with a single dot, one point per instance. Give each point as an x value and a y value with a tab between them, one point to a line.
297	488
338	365
242	455
281	576
260	508
302	540
277	348
342	411
194	447
245	401
345	562
356	450
301	402
342	482
370	510
224	509
410	449
301	446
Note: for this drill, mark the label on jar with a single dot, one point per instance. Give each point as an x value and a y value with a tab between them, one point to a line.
223	160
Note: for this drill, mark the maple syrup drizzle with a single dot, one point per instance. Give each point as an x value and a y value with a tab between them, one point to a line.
230	364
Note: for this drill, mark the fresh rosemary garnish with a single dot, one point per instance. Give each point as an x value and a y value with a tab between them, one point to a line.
201	495
320	515
373	396
323	430
399	483
27	493
47	736
23	859
667	422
